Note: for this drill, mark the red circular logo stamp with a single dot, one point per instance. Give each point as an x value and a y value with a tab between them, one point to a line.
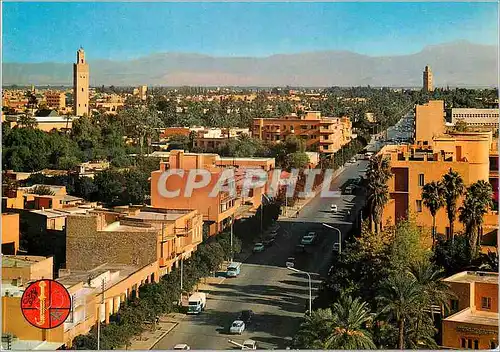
46	304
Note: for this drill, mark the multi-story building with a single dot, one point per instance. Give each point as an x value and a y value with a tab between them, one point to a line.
217	211
10	233
96	294
474	320
137	237
141	92
413	166
481	119
80	84
26	268
55	100
214	138
428	79
323	134
429	121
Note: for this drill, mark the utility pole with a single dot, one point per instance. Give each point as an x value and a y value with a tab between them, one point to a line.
103	284
232	221
261	216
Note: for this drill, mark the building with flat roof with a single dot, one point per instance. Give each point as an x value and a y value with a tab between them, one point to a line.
413	166
26	268
217	211
321	134
132	236
473	323
429	121
55	100
10	233
482	119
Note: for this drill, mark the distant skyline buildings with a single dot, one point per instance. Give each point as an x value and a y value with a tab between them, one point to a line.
238	29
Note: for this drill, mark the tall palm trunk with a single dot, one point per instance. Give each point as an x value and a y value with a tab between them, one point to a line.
433	230
401	328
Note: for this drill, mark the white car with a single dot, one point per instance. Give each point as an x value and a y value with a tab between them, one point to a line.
258	247
308	239
182	346
237	327
334	208
249	345
290	262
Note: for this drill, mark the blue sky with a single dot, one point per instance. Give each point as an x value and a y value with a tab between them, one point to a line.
41	32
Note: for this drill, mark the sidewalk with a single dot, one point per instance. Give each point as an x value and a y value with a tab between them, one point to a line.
291	212
149	338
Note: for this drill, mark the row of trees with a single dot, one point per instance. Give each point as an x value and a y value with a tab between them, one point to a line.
385	285
435	195
159	298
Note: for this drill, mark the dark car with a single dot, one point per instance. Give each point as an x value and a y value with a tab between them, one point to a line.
268	241
246	316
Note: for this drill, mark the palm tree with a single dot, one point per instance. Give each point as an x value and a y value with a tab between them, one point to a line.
349	325
454	187
314	330
400	298
429	277
478	200
433	198
378	173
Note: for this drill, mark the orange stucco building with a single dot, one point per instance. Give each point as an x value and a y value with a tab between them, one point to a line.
132	236
474	320
10	233
413	166
217	211
322	134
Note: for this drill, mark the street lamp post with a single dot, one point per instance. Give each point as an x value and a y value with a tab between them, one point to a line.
232	221
310	285
340	235
103	285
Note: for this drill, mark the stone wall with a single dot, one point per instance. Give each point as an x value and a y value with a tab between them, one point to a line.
87	248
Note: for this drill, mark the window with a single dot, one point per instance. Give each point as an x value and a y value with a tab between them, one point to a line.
419	206
454	305
476	344
469	343
421	180
486	302
462	342
82	89
493	344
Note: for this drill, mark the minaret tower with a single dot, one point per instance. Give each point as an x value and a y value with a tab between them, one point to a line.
80	84
428	80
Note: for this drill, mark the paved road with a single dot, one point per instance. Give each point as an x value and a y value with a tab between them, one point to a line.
278	296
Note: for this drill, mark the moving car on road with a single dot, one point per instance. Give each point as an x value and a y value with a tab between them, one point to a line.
258	247
246	316
249	345
237	327
334	208
308	239
335	248
233	269
182	346
290	262
197	303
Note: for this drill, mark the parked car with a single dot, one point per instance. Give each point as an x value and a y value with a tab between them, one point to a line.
268	241
290	262
310	238
182	346
273	233
237	327
258	247
249	345
334	208
246	316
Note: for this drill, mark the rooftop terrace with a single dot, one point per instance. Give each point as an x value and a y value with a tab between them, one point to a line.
475	317
474	276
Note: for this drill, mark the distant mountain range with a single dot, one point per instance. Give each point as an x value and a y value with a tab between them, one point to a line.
460	63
